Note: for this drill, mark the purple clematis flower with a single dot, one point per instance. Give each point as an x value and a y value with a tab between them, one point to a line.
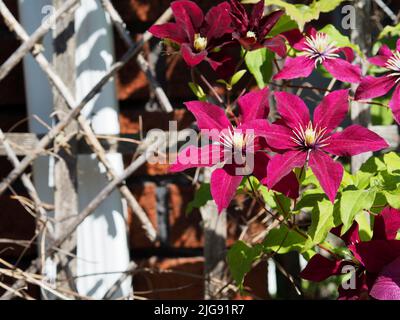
317	48
251	32
372	87
198	35
301	141
231	145
377	262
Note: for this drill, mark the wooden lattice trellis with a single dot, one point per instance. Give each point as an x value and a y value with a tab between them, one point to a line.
31	146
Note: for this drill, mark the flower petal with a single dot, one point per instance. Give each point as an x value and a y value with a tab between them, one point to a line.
208	116
188	15
257	13
348	53
384	54
276	44
223	188
375	255
328	172
394	104
282	164
351	236
191	58
343	70
218	21
332	110
278	137
269	21
320	268
169	31
387	284
371	87
239	16
354	140
254	105
386	224
289	185
193	157
292	109
294	68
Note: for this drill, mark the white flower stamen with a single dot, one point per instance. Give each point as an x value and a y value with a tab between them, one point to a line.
200	43
309	137
393	64
236	140
320	47
251	34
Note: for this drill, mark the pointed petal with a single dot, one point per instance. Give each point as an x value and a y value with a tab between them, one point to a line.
394	104
188	15
374	255
294	68
332	110
218	21
282	164
387	285
257	13
289	185
328	172
386	224
384	54
371	87
351	236
348	53
223	188
269	21
208	116
343	70
276	44
254	105
191	58
239	17
354	140
320	268
169	31
193	157
292	109
278	137
294	37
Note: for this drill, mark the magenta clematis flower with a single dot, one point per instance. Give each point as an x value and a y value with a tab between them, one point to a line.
197	35
377	262
317	48
234	148
301	141
252	32
373	87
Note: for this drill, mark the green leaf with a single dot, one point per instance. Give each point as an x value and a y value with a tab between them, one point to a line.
201	197
392	31
373	164
381	116
240	259
259	63
364	226
341	40
283	240
352	203
285	23
310	199
392	161
321	221
237	77
393	198
198	91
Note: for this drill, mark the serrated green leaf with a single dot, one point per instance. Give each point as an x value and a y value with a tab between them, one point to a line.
352	203
259	63
283	240
321	221
341	40
240	259
201	197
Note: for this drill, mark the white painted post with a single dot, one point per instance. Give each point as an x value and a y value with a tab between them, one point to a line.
102	238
